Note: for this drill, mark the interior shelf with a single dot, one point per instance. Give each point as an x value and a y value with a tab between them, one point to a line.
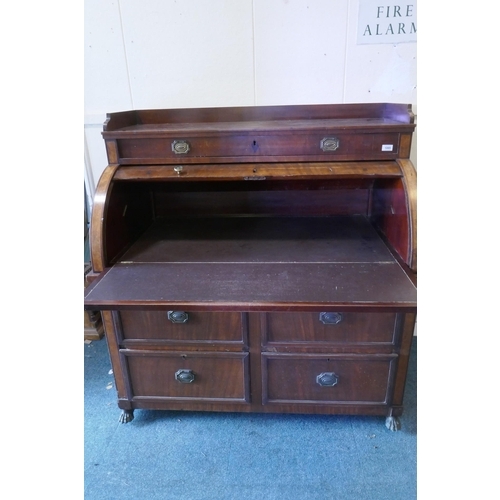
260	239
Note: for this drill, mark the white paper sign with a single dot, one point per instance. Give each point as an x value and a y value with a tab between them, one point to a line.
383	21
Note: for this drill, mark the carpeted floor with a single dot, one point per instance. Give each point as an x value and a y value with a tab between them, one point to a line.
218	456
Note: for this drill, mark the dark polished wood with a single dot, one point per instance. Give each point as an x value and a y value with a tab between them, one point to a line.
258	259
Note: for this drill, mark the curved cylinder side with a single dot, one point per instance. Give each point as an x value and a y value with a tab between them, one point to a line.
98	220
410	182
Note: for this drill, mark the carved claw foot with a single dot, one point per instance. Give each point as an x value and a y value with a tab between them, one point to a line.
393	423
126	416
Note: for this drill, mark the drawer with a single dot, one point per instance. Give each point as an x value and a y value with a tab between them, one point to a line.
313	379
318	144
182	326
329	327
188	376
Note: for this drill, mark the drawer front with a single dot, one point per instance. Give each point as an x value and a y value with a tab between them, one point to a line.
191	376
329	327
182	326
321	144
322	379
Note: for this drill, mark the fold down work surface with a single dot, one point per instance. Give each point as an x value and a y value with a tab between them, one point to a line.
253	286
256	263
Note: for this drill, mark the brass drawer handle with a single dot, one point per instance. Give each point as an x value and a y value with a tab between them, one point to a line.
178	316
184	376
329	143
180	147
330	318
327	379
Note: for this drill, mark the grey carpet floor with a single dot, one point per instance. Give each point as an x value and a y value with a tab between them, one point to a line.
229	456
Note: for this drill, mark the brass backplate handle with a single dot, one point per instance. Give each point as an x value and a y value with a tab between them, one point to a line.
180	147
327	379
184	376
330	318
178	316
329	143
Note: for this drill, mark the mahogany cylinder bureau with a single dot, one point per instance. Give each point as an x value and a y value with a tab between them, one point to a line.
258	259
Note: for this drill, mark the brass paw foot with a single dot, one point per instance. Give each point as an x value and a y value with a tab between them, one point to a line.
126	416
393	423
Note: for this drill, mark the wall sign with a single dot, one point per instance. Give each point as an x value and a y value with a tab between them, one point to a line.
382	21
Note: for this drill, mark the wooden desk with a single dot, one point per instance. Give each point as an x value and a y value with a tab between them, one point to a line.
258	259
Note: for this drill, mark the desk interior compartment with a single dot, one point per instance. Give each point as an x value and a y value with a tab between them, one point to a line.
246	243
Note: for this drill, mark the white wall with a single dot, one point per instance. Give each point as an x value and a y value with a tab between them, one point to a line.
199	53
